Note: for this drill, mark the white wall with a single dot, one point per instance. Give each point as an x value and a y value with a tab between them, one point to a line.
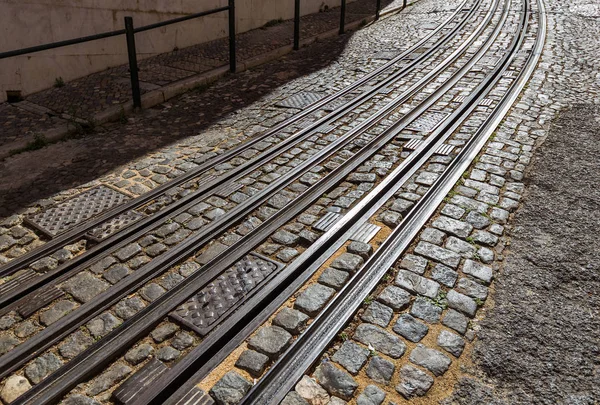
25	23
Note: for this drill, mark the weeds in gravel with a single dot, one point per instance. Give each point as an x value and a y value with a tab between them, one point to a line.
59	82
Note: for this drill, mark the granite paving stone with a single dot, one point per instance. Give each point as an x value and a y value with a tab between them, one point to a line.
413	382
270	340
291	320
380	370
380	339
230	389
409	328
335	381
313	299
433	360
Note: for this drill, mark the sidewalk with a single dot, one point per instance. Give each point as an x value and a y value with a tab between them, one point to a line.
101	97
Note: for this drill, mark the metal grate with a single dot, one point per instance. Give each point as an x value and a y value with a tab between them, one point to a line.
365	233
300	100
486	102
214	301
327	221
39	301
128	391
441	150
66	215
13	283
196	396
444	150
229	189
460	99
428	121
325	129
413	144
114	225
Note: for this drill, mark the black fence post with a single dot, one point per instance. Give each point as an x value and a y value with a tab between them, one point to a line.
343	18
232	56
378	9
133	66
296	25
404	4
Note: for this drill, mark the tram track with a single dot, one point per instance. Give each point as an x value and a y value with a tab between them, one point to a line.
95	359
305	351
70	322
49	394
79	232
18	289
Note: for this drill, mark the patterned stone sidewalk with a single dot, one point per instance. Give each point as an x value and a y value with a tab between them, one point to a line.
85	97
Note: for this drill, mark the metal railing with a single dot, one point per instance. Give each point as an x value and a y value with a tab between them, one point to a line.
130	32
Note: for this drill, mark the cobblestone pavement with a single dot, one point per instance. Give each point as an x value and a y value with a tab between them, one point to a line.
94	93
190	114
430	332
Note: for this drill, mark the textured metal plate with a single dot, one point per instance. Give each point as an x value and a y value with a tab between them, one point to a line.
365	233
196	397
334	105
444	150
128	391
413	144
16	281
428	121
114	225
441	150
229	189
300	100
39	301
67	214
325	129
214	301
327	221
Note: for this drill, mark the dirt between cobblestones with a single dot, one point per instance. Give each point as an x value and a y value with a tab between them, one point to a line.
540	343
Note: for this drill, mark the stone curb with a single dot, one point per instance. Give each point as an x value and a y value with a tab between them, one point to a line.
162	94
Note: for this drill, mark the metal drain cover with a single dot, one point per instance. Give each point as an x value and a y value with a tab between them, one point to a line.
140	381
427	122
67	214
213	302
327	221
300	100
365	233
112	226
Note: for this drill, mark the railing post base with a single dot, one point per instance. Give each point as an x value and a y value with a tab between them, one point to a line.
232	52
343	17
296	25
133	66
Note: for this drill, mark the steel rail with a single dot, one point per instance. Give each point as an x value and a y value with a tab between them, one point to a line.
100	251
79	232
128	235
115	342
217	346
312	343
46	338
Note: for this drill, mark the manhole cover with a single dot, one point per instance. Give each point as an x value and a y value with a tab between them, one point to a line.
427	122
112	226
214	301
67	214
300	100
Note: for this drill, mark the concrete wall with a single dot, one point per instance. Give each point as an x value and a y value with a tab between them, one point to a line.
25	23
